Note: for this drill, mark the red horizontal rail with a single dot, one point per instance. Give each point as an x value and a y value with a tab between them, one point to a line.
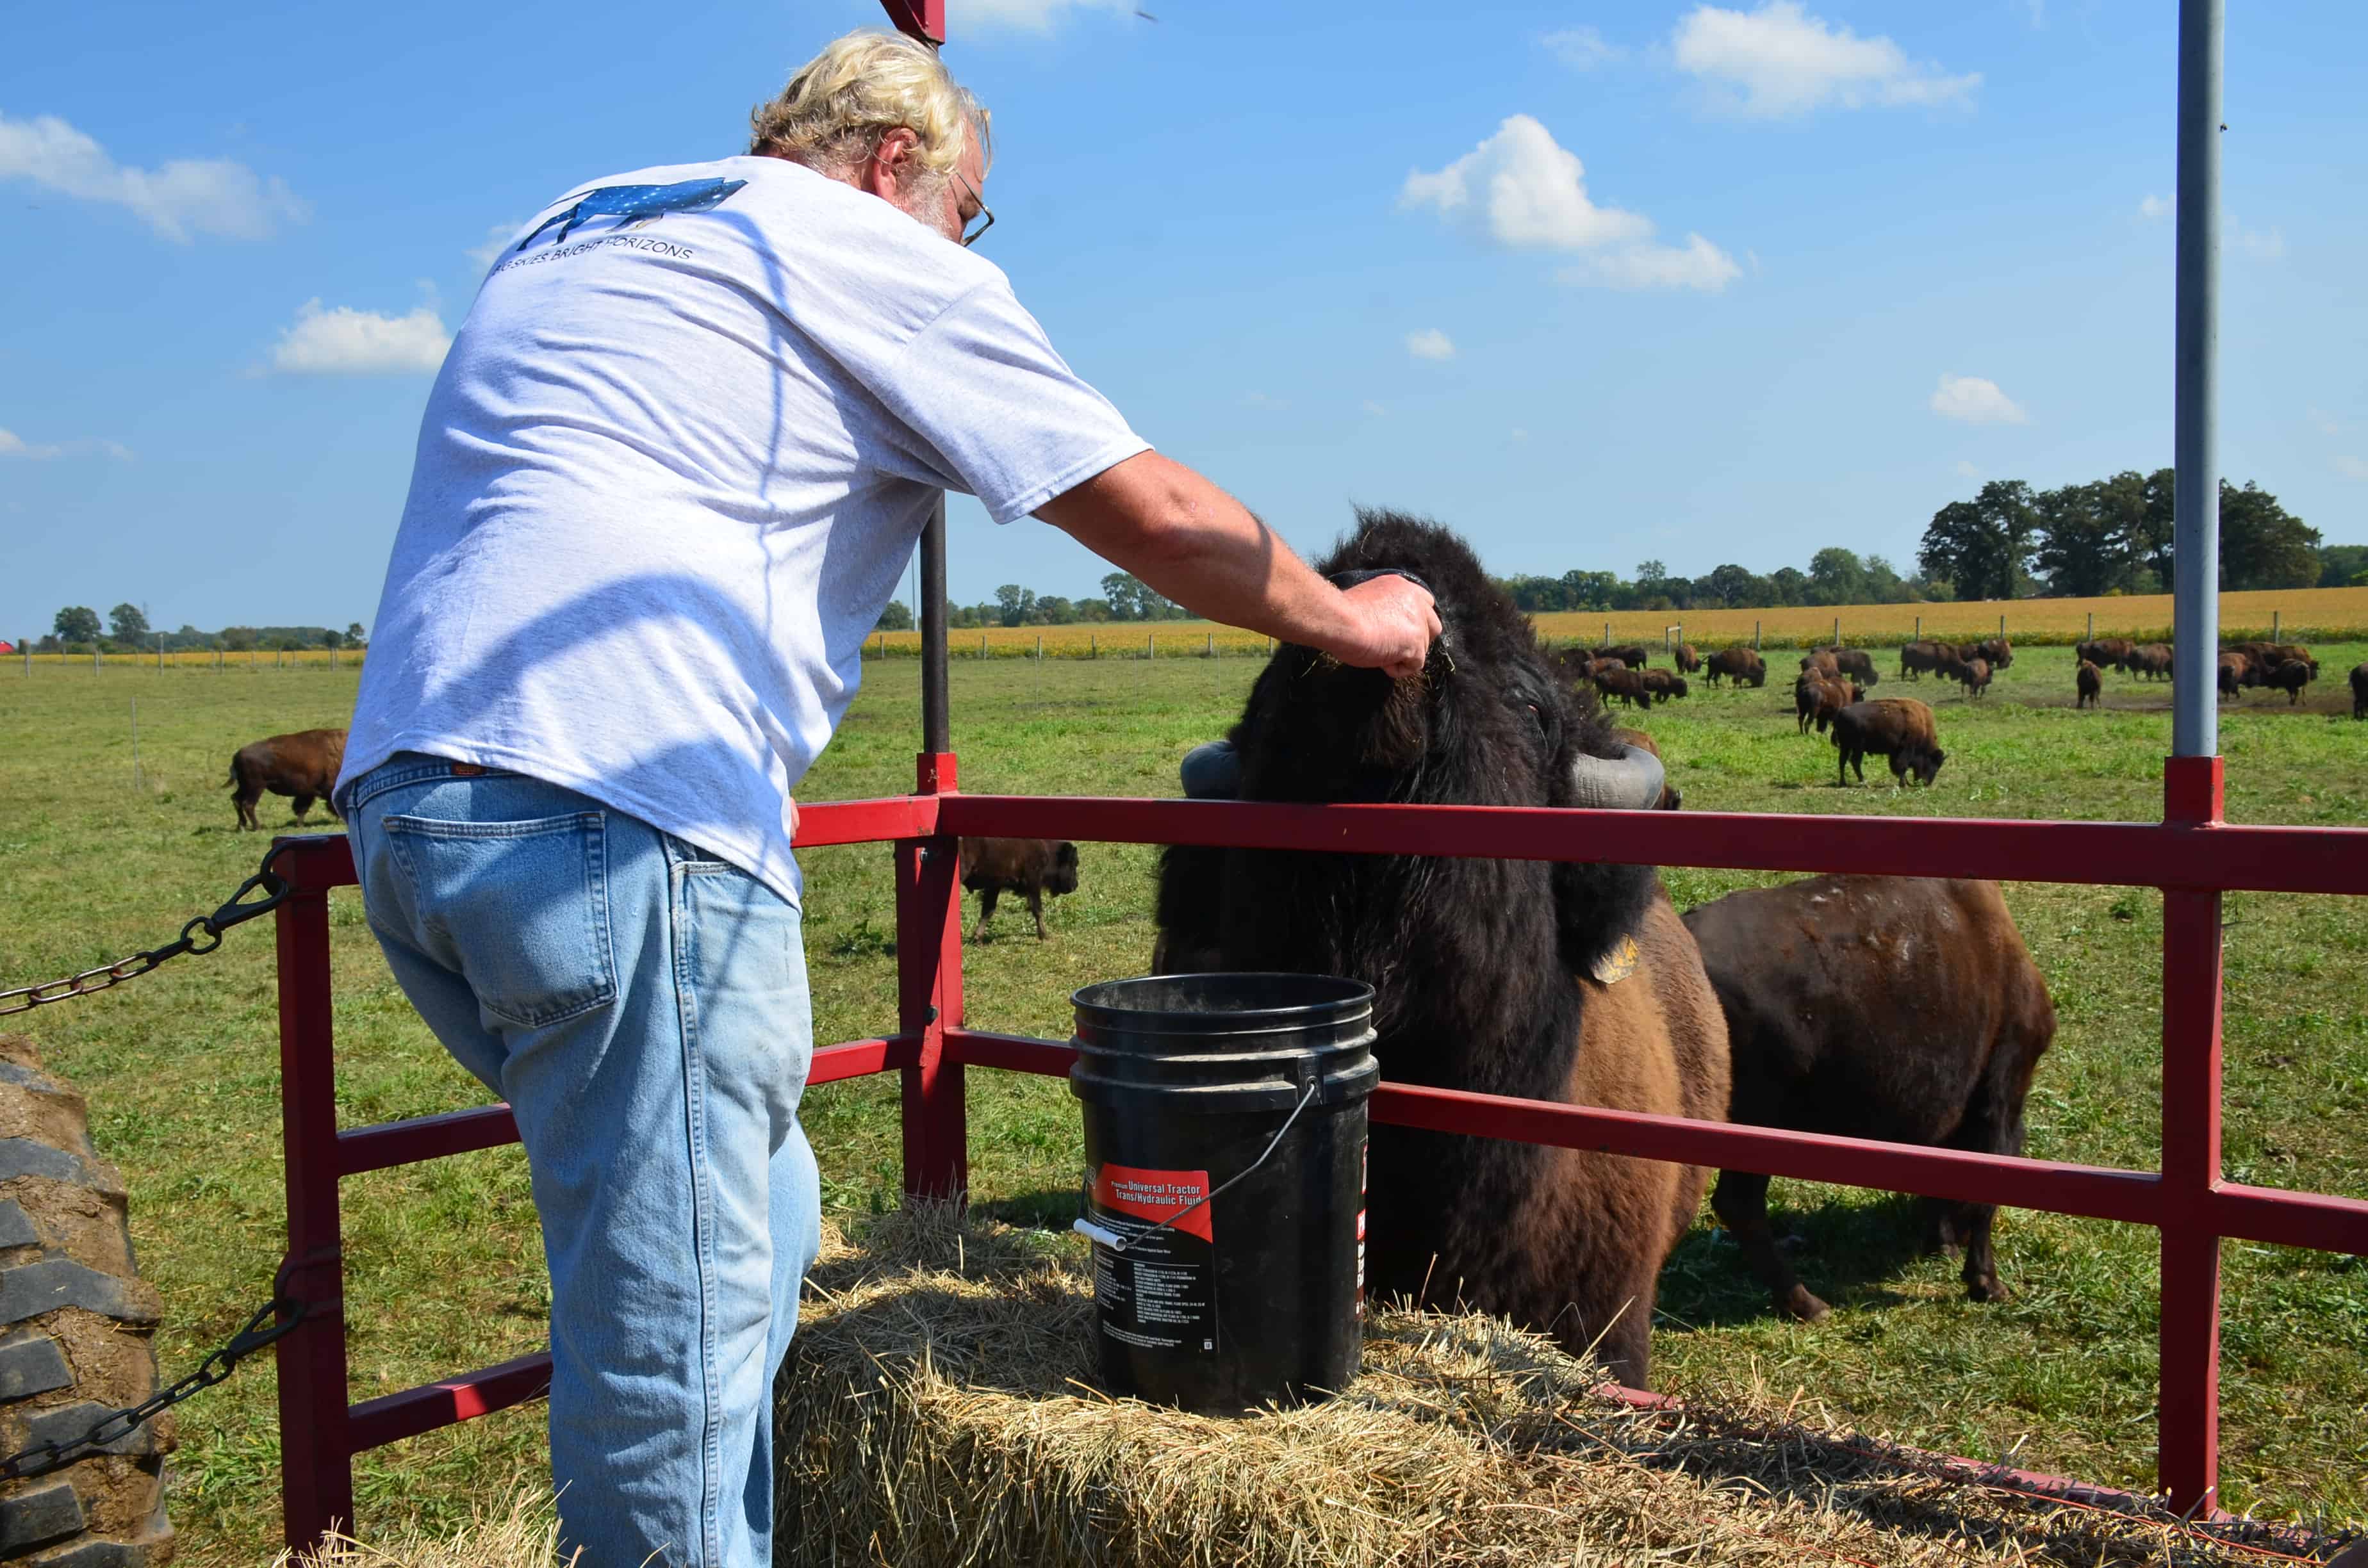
2319	1220
1017	1052
2265	859
424	1138
392	1418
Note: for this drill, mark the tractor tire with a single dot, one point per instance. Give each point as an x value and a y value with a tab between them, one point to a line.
76	1326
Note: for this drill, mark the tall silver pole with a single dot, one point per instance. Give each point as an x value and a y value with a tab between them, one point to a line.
2196	499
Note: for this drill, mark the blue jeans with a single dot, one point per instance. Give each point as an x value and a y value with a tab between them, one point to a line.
643	1007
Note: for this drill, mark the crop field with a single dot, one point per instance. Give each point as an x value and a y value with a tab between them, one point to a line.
445	1270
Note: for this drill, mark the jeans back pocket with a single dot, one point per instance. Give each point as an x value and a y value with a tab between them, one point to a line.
520	908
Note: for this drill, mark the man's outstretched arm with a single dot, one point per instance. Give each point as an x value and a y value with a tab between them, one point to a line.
1200	547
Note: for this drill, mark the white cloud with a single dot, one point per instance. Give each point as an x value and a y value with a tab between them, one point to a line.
1524	191
1966	470
2152	206
1779	60
1376	409
1430	344
1583	49
1260	400
1697	265
1519	434
178	199
348	342
2324	421
497	239
14	446
1975	402
2352	468
2265	244
1028	16
2038	9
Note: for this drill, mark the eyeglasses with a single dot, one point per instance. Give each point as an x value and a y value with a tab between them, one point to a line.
985	218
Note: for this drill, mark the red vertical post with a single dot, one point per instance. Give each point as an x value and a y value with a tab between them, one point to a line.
930	999
316	1458
2187	1437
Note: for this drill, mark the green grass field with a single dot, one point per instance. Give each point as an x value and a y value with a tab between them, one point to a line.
444	1268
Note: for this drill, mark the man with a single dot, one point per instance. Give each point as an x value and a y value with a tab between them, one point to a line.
671	472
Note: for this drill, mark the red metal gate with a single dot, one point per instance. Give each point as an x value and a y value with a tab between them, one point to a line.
2190	855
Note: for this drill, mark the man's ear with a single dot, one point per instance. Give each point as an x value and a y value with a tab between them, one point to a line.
892	166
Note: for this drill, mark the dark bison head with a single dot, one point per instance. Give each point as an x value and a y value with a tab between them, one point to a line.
1489	721
1924	762
1063	877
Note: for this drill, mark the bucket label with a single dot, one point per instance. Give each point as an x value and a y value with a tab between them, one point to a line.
1159	1292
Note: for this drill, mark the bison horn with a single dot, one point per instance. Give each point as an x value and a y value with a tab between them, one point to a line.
1631	783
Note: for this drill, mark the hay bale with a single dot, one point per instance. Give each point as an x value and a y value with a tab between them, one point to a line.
524	1534
939	1408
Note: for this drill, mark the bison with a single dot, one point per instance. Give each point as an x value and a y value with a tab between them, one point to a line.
1855	662
2088	682
1896	727
1635	656
1815	699
303	763
1663	685
1028	867
2235	672
2152	661
1625	684
1997	650
1896	1008
1821	662
2289	677
2359	692
1916	658
1742	663
2104	651
1573	982
1974	674
1687	660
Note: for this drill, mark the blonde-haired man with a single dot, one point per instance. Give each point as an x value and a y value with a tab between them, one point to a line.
669	475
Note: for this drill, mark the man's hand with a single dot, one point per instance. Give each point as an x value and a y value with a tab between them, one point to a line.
1394	622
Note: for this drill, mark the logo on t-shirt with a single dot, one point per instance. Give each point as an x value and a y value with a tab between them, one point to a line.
638	203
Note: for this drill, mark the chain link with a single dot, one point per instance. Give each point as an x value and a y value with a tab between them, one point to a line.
264	1327
201	935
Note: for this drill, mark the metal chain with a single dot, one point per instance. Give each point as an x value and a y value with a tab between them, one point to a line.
261	1329
203	935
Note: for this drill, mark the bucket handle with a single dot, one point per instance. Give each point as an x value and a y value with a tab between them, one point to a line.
1116	1242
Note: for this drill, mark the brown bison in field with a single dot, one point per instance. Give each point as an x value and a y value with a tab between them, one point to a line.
1028	867
1635	656
1687	660
1821	662
1917	658
1998	651
1662	685
2104	651
1856	664
2235	672
1974	674
2289	677
1896	1008
2359	692
2153	661
303	764
1815	699
1738	662
1626	684
2089	684
1583	665
1897	727
1570	982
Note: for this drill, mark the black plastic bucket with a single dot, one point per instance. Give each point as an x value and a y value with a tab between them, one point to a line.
1251	1087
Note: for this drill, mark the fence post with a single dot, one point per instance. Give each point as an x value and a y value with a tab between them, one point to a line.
2188	1439
1209	648
930	999
1838	631
2092	626
1606	636
982	645
1755	635
2274	634
1093	645
2001	624
94	658
1040	647
1151	644
316	1475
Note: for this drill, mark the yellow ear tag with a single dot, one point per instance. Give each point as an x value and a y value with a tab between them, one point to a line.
1617	964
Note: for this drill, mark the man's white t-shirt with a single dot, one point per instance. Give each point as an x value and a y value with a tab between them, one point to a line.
670	473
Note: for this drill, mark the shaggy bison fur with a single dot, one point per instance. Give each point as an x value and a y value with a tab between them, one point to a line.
1897	1008
303	764
1687	660
1742	665
1028	867
1485	972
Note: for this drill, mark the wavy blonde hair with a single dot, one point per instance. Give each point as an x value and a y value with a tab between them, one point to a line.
835	109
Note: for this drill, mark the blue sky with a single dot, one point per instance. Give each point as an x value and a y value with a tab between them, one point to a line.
1596	283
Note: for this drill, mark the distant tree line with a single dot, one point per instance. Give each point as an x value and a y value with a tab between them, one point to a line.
2113	536
1124	597
1836	576
77	629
